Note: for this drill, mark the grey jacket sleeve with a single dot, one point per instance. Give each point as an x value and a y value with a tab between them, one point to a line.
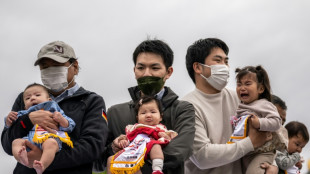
285	160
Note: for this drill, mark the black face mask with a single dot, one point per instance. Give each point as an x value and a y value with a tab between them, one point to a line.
150	85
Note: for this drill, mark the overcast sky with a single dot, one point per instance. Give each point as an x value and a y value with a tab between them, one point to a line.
104	34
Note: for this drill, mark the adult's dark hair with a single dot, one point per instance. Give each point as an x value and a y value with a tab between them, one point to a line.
37	84
72	60
295	128
261	76
200	50
147	99
278	101
157	47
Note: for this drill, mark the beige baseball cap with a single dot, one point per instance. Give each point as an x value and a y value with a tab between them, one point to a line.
58	51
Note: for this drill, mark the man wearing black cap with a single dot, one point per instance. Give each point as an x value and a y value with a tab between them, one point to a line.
58	65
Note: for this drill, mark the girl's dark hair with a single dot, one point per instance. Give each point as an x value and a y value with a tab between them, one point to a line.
295	128
147	99
261	77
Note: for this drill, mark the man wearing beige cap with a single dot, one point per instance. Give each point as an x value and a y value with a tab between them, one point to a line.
58	66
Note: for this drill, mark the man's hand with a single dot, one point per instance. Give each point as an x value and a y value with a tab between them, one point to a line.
116	143
255	121
123	143
258	138
44	119
164	135
12	116
270	169
60	119
34	154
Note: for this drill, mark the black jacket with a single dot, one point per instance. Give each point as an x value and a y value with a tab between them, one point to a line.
178	116
89	135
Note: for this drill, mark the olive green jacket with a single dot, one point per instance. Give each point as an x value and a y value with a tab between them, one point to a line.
178	116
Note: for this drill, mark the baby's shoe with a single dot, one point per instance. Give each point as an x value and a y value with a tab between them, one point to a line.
157	172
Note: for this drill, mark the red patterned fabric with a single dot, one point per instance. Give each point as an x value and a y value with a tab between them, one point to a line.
152	132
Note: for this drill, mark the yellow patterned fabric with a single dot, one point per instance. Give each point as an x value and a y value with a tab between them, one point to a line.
41	135
131	158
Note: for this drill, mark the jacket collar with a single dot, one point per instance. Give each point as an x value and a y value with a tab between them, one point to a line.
168	98
80	92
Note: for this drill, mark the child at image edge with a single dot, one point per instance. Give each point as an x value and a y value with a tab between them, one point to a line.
289	159
148	135
36	97
253	89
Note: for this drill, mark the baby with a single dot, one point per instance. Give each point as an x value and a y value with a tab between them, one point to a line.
289	161
36	97
143	138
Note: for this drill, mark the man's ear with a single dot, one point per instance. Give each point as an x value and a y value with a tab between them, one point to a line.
76	67
169	73
134	71
197	68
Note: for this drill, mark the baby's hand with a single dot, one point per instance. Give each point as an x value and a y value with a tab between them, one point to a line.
12	116
255	122
299	164
60	119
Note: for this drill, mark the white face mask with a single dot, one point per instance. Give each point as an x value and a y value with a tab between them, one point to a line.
219	76
55	78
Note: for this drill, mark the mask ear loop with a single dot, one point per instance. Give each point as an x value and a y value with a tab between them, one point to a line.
70	65
68	72
71	80
204	65
207	66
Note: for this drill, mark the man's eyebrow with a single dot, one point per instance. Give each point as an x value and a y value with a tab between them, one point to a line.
140	63
154	64
221	57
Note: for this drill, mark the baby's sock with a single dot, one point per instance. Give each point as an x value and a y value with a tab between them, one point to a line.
157	164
